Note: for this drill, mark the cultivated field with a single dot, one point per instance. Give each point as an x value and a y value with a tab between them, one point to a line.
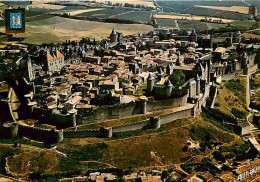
77	12
239	9
190	24
251	36
137	16
198	18
119	13
47	6
145	3
106	13
58	29
183	6
166	23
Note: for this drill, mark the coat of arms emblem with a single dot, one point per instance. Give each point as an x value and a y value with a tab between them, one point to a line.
15	20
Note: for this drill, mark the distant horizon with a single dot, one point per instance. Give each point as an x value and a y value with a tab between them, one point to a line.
208	0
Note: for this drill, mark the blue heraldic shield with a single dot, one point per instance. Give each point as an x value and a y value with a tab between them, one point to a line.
15	20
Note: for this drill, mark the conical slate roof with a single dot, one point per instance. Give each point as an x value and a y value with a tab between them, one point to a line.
168	83
197	78
160	72
113	31
150	77
201	67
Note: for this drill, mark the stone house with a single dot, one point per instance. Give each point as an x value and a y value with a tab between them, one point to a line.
72	102
64	91
227	176
192	178
246	171
108	85
219	53
55	61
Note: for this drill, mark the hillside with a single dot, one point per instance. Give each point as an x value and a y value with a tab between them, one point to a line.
58	29
231	98
127	150
155	148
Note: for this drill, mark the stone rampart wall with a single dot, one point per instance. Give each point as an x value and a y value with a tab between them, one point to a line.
39	134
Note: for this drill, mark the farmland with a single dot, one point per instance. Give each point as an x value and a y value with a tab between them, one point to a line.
77	12
234	10
137	16
251	36
190	24
118	13
104	13
58	29
216	13
47	6
183	6
135	2
178	17
239	9
166	23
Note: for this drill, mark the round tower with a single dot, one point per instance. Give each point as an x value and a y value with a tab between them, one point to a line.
237	37
160	74
169	87
150	83
197	85
113	36
143	100
244	61
190	91
169	69
209	70
178	61
193	36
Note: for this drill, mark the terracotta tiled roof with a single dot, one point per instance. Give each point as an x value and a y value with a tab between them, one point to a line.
58	54
227	176
49	56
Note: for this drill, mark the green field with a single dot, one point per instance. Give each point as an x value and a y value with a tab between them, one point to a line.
166	23
58	29
122	14
136	16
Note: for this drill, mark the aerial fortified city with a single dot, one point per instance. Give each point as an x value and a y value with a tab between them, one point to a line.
117	91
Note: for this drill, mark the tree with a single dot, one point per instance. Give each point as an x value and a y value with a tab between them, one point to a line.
8	70
161	36
218	156
177	78
164	175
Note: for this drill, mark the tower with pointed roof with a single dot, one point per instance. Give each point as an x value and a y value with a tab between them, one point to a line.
113	36
237	37
244	61
209	69
193	36
197	85
178	61
150	83
168	90
160	74
169	69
